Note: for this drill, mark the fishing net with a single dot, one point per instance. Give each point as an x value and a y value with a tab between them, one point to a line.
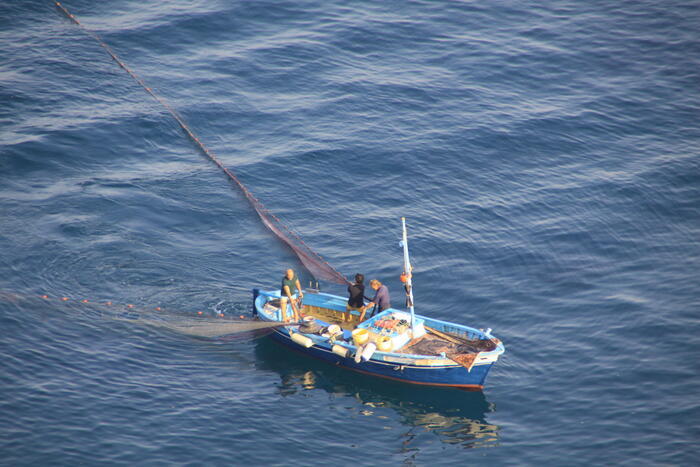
463	353
311	260
209	329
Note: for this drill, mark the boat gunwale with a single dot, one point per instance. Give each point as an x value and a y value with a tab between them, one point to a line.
323	341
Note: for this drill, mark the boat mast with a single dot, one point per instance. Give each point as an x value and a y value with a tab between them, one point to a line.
406	276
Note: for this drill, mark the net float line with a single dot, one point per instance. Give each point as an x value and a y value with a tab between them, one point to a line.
199	326
311	260
102	304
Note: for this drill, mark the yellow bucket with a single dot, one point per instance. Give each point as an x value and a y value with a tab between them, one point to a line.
384	343
360	336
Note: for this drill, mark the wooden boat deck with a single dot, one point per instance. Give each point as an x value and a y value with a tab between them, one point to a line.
327	315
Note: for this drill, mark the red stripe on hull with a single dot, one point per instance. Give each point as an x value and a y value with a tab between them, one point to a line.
469	387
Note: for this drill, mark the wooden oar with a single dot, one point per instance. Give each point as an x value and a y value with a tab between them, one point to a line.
454	340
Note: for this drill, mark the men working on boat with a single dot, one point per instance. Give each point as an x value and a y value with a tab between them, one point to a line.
381	298
290	287
356	299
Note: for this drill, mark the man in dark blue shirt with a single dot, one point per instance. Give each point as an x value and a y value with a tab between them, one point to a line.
381	298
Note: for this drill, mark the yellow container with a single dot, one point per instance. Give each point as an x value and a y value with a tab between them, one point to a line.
360	336
384	343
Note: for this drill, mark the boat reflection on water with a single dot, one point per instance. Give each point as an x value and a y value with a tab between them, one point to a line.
457	417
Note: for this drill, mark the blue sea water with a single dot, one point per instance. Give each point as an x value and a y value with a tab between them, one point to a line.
546	156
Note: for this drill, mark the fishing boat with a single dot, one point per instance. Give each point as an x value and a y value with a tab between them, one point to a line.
395	344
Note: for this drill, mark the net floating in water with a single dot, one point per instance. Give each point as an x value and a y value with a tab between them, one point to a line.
311	260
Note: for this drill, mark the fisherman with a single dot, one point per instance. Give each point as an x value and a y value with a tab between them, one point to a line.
381	298
290	287
356	299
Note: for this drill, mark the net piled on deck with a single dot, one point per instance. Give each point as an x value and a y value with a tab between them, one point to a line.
463	353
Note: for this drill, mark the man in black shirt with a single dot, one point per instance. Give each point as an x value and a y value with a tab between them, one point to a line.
356	299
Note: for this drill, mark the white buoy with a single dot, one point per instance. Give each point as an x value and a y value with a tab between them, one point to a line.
358	354
302	340
340	350
368	351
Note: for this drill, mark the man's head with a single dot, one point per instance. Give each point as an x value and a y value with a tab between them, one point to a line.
375	284
359	278
290	274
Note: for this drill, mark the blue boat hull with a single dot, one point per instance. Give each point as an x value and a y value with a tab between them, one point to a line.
450	376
